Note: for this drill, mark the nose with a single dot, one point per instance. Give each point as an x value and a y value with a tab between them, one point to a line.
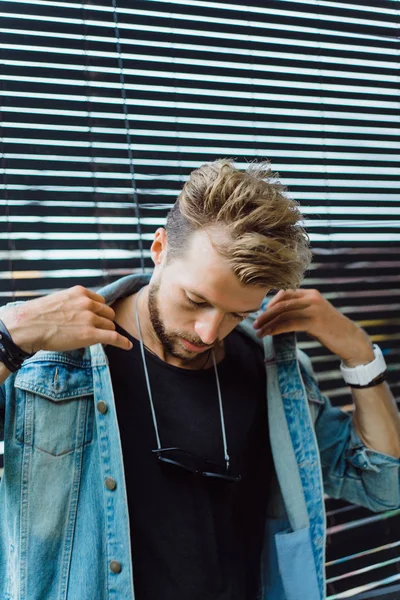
208	325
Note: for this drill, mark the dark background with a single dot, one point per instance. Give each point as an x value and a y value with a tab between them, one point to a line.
105	111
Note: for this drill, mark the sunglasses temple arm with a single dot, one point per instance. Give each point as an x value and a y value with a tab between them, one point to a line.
221	413
146	374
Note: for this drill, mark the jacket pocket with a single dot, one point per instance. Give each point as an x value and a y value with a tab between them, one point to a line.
297	565
54	408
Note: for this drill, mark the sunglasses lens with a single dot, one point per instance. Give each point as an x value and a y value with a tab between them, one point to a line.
227	476
175	463
194	464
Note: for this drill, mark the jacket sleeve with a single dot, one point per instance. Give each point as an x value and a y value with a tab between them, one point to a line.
2	413
2	399
351	471
3	386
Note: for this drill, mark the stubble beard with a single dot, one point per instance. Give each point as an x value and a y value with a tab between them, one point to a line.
169	341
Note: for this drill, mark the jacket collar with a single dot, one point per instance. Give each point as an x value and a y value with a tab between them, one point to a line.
126	286
130	284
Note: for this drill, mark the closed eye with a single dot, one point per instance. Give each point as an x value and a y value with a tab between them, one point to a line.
194	304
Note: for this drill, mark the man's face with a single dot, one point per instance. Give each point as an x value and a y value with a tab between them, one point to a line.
196	301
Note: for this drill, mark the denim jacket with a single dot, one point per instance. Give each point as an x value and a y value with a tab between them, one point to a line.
64	522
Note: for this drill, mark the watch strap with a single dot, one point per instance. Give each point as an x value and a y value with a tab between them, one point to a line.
10	354
362	375
373	383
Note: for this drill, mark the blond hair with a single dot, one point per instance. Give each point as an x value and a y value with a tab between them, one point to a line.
265	242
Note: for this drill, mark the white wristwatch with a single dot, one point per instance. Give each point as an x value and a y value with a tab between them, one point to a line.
364	374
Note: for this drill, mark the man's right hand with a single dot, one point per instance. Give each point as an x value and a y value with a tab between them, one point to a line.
66	320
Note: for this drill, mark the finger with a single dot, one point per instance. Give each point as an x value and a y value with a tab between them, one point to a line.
294	321
81	291
102	323
284	295
103	310
111	338
276	298
284	306
96	297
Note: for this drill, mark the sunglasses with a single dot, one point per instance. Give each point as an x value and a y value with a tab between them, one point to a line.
195	464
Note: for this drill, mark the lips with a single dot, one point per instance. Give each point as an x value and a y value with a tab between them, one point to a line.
192	347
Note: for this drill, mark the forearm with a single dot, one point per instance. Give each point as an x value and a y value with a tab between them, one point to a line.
376	417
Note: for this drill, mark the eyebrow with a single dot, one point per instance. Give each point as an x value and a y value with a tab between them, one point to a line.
246	312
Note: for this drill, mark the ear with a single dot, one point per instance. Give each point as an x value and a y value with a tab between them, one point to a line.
158	248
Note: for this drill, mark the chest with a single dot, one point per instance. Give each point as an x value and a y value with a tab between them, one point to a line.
186	403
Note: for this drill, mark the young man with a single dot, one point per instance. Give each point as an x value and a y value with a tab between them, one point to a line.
161	443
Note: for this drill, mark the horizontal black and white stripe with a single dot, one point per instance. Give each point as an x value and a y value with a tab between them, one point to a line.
106	108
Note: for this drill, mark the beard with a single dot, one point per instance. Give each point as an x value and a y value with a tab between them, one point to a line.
170	340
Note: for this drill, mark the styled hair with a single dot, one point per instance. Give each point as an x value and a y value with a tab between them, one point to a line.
264	241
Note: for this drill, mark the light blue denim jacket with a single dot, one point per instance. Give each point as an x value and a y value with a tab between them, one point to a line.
61	526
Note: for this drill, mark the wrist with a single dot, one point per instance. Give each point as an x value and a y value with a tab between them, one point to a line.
360	351
13	320
10	354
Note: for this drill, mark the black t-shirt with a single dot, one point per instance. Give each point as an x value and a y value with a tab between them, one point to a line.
194	538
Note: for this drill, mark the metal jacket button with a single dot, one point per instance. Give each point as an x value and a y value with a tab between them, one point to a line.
102	407
111	484
115	566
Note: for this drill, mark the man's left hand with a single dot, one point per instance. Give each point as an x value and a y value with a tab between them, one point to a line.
307	310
